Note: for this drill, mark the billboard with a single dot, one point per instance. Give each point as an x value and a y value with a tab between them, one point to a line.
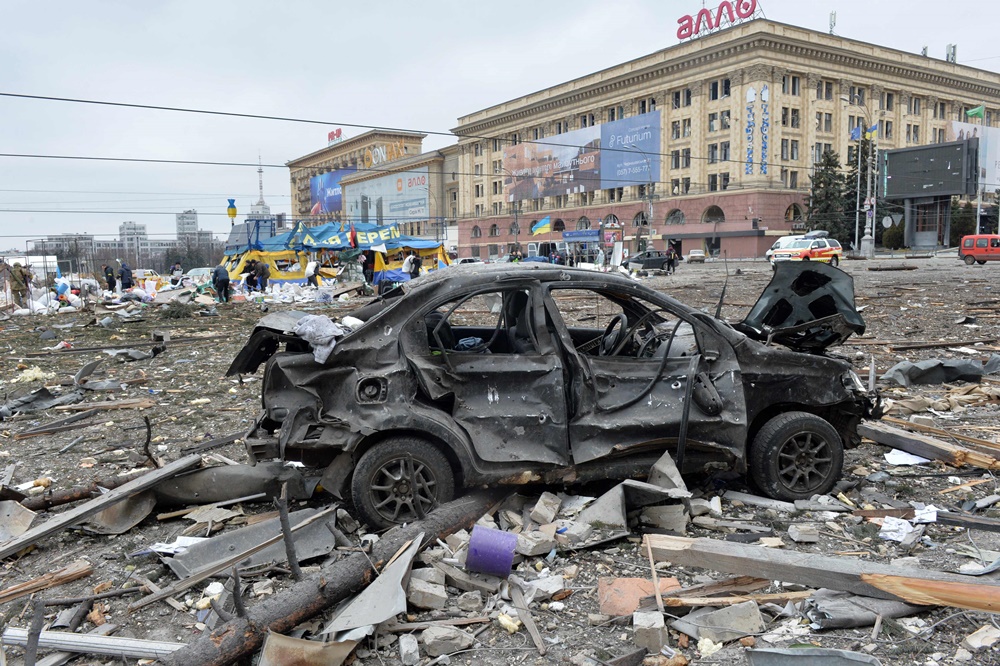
575	162
940	169
989	149
400	197
325	193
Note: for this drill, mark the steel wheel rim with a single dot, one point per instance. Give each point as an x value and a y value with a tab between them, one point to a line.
804	462
393	496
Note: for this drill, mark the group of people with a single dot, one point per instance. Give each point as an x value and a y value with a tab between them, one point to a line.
123	275
258	273
20	281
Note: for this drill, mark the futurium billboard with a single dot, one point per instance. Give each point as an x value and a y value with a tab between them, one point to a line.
939	169
399	197
615	154
326	194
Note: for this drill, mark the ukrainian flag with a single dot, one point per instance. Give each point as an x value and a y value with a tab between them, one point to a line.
872	131
543	226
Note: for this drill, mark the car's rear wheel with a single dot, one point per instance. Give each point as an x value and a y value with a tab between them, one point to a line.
665	266
980	261
796	455
969	260
834	261
400	479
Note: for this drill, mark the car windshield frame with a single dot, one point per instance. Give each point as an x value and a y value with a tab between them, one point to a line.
801	244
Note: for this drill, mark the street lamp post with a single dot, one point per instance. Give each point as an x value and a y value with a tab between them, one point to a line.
867	246
649	196
516	205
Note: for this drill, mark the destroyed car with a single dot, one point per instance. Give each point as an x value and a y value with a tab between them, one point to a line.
516	374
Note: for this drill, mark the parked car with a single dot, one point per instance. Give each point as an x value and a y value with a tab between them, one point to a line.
781	243
826	250
978	249
467	260
557	374
199	274
647	259
696	257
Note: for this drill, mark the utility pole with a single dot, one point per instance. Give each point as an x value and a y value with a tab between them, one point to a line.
649	196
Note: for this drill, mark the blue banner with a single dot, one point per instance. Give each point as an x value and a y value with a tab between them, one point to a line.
631	154
325	192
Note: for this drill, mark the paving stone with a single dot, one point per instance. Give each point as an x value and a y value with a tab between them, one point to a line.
425	594
803	533
409	650
444	640
650	630
673	517
545	509
732	622
470	601
534	543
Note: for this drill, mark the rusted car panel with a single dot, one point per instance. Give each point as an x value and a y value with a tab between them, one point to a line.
540	371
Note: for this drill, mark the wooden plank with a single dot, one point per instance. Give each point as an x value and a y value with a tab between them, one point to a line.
98	504
78	569
968	520
926	447
517	598
983	444
942	344
870	579
769	598
139	403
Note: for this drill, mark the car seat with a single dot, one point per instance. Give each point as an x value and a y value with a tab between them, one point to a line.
518	322
436	321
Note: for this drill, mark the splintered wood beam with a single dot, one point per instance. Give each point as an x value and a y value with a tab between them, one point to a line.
926	447
870	579
983	444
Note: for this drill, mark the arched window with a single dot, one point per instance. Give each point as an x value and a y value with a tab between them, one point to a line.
676	216
793	213
477	232
640	220
515	228
583	223
713	215
611	221
494	230
558	225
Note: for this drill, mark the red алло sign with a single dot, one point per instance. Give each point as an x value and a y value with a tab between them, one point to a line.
692	25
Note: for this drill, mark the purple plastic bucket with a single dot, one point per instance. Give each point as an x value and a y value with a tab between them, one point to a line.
491	551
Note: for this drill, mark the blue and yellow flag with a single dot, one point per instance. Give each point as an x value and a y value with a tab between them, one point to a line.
872	131
543	226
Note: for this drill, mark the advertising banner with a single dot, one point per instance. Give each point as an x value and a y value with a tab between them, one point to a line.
326	194
574	162
989	150
390	199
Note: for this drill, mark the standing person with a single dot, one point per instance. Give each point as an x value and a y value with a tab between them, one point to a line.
408	265
671	260
418	263
125	276
109	276
220	280
312	268
600	259
19	280
262	271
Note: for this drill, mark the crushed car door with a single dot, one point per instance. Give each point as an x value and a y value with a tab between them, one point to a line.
488	362
641	376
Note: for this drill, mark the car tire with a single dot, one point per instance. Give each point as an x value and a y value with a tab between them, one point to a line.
969	260
665	266
381	494
834	261
796	455
980	261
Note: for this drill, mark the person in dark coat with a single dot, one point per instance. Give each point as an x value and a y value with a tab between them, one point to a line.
125	276
109	276
220	280
262	271
251	278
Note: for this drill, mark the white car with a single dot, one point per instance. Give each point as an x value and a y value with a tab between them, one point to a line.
467	260
781	243
696	257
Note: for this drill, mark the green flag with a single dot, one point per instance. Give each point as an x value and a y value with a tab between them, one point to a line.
978	112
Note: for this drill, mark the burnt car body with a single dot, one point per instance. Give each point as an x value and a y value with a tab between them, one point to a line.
534	372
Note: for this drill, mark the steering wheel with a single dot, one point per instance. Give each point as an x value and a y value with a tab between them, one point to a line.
613	334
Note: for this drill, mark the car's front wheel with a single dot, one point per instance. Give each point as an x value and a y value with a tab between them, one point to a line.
400	479
796	455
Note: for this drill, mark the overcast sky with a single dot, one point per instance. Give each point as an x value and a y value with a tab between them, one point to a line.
412	65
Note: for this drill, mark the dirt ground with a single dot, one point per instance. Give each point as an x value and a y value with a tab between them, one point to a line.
194	402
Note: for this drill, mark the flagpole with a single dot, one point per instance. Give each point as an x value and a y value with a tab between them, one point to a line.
979	168
857	204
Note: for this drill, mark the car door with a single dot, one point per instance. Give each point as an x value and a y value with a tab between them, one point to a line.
683	382
485	359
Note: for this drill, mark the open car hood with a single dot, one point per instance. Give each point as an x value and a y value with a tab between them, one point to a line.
807	307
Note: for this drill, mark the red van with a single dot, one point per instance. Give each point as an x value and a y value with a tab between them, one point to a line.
979	248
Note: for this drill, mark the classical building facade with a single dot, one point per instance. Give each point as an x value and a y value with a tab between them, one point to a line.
737	119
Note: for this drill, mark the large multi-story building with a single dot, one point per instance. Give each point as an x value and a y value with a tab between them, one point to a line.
706	144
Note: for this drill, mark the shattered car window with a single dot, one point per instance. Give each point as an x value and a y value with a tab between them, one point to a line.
496	322
611	324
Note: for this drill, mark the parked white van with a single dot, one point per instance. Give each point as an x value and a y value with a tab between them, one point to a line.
782	242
